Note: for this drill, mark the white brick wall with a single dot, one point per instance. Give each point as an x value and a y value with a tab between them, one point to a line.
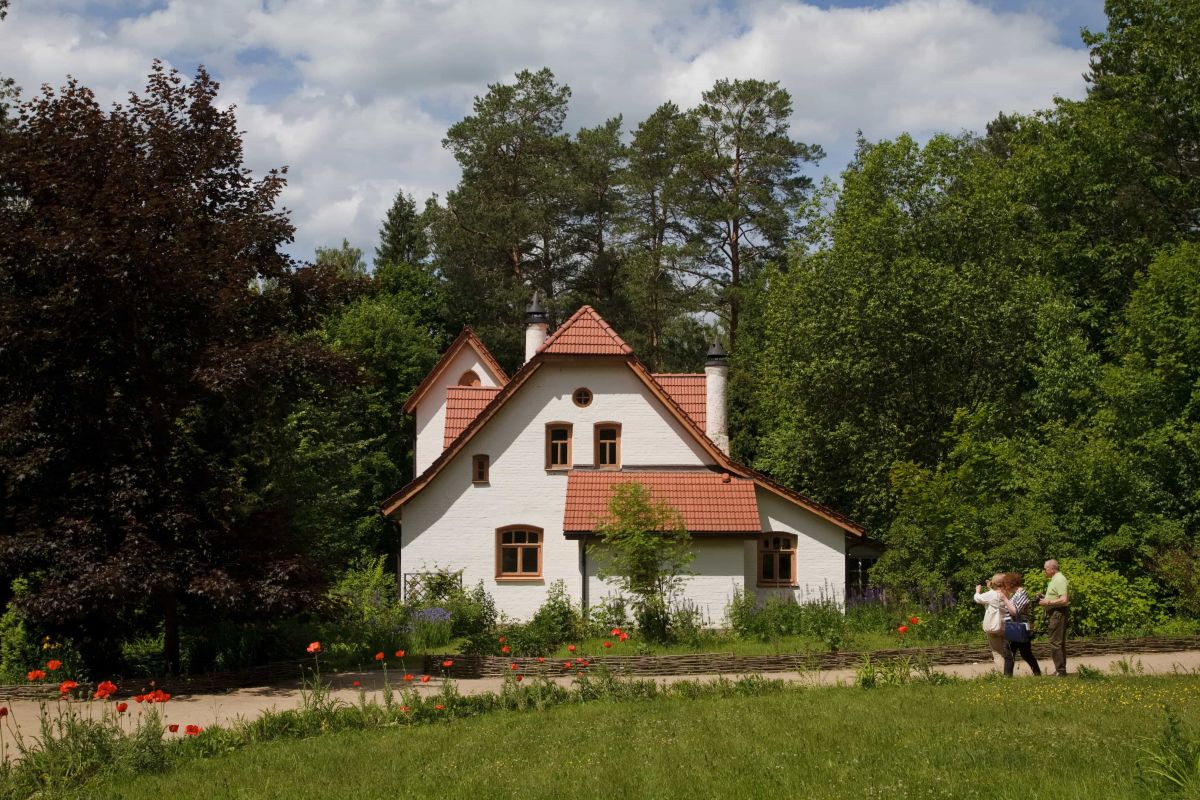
431	411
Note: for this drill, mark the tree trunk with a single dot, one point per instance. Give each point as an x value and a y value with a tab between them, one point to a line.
170	610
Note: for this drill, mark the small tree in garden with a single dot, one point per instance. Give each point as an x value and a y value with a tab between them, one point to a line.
644	547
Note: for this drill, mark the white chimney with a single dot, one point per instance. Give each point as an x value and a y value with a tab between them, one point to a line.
537	325
716	374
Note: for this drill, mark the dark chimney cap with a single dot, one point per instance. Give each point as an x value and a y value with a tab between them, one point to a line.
716	355
535	314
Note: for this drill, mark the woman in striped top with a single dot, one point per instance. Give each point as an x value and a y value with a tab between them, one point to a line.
1016	606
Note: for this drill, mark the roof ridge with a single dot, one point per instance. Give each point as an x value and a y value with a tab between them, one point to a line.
589	313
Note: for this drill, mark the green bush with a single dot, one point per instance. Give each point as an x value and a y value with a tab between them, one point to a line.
821	619
611	612
1103	601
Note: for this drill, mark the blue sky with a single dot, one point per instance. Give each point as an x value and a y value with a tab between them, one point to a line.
355	95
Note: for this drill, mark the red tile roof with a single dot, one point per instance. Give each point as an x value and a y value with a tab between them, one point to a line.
708	501
463	404
465	339
585	333
688	390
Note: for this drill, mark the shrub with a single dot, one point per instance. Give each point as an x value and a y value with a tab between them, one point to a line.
1103	601
611	612
558	620
369	613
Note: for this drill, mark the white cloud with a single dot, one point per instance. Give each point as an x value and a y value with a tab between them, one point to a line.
356	95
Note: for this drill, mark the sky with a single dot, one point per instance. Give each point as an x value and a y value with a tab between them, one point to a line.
355	96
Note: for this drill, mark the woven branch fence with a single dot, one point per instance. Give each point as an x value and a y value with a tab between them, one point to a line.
687	664
730	664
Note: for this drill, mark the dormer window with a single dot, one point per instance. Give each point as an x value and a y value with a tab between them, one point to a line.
469	378
558	445
608	445
479	469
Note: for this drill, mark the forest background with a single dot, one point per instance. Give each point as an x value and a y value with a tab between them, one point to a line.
985	348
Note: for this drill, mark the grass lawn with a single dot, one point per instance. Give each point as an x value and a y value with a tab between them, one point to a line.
716	643
976	739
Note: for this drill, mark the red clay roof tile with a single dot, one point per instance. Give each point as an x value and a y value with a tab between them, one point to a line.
463	404
688	390
585	333
708	501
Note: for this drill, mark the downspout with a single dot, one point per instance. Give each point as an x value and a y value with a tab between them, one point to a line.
583	572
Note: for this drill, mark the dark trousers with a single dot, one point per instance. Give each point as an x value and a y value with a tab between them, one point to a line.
1026	651
1056	627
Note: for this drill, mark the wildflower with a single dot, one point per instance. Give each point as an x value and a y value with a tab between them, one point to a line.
122	708
582	662
156	696
502	640
315	647
173	727
3	712
608	644
615	632
440	707
105	690
356	684
624	636
506	649
541	660
903	629
447	664
913	620
570	648
53	664
424	679
405	709
35	675
513	666
193	730
67	686
567	665
519	678
408	676
379	656
399	654
141	698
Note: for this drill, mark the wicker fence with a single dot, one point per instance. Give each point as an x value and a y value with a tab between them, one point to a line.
688	664
730	664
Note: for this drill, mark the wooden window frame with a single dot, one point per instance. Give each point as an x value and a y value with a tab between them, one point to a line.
553	426
501	575
485	460
777	554
473	380
590	396
599	426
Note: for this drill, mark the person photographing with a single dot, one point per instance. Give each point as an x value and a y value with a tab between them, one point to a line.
993	616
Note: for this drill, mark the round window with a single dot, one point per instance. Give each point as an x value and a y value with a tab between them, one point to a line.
582	397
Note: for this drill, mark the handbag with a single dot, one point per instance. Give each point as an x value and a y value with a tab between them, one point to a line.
992	621
1016	631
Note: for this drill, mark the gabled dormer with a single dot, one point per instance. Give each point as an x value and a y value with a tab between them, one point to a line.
463	381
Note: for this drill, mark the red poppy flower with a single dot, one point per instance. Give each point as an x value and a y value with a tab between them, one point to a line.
502	640
53	665
615	632
519	678
315	647
379	656
608	644
3	712
570	648
141	698
405	709
624	636
440	707
67	686
122	707
506	649
35	675
105	690
173	727
157	696
408	676
541	660
399	654
356	684
424	679
913	620
193	730
903	629
513	666
447	664
567	665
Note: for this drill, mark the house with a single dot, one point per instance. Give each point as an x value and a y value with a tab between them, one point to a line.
515	472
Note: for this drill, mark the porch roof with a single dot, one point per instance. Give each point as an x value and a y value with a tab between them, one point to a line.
708	501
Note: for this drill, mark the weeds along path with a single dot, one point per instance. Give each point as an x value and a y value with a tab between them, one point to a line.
249	703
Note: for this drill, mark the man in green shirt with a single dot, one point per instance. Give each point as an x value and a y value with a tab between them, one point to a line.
1057	602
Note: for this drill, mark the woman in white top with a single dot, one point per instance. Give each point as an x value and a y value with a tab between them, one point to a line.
993	617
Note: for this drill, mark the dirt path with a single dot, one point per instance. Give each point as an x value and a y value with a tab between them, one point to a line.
210	709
